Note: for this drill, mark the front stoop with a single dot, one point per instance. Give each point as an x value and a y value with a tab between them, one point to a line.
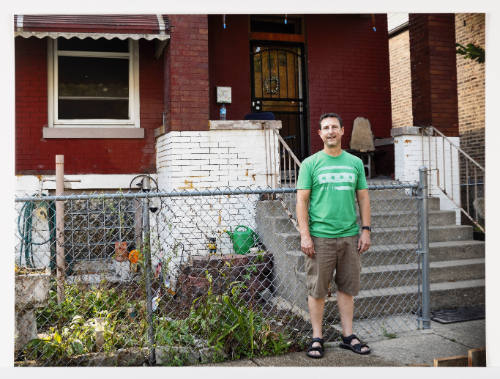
389	279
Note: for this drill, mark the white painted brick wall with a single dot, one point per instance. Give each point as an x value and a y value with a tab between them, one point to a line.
214	159
412	152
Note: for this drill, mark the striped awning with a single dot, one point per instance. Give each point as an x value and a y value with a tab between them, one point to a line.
94	26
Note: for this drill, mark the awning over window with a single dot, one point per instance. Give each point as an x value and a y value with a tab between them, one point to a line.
94	26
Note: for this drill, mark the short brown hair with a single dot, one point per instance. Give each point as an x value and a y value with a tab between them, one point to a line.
331	114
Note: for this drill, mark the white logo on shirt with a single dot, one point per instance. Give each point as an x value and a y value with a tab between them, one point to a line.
336	177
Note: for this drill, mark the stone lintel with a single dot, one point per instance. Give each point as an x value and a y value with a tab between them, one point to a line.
406	130
61	132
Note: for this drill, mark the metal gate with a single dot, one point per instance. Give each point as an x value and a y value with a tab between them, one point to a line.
278	86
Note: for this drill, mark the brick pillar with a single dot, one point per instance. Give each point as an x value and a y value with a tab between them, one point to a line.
434	71
186	73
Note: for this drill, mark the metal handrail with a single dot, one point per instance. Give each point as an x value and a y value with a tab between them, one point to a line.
433	129
440	166
283	166
288	163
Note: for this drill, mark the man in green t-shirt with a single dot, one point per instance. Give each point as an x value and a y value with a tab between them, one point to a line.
329	183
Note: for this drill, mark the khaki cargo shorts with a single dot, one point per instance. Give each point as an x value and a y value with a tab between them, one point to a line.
339	254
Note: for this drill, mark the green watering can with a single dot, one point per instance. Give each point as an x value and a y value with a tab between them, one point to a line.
243	239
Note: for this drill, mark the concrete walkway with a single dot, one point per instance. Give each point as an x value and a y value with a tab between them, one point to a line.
415	348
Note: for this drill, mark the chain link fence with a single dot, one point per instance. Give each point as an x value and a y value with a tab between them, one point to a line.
180	278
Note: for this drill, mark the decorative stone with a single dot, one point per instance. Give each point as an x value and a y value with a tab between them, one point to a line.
362	136
31	291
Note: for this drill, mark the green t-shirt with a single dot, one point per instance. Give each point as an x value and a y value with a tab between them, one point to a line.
333	182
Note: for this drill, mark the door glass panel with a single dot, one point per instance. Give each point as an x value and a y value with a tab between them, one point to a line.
277	82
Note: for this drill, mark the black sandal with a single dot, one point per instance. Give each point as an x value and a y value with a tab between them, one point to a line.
346	344
319	349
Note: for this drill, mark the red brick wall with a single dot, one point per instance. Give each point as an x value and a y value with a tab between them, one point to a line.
36	155
31	105
434	71
186	73
348	72
229	51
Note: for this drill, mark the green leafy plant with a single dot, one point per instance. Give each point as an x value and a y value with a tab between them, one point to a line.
72	325
82	302
471	51
231	326
173	332
388	334
104	319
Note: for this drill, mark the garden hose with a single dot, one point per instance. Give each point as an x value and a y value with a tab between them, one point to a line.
25	229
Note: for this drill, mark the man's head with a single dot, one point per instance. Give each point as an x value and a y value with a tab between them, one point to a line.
331	129
327	115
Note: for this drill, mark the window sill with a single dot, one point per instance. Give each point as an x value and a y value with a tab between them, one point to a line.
93	132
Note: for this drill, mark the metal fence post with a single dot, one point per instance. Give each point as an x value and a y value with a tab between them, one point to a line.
146	248
424	246
60	257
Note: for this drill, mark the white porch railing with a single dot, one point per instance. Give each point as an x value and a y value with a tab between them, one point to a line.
465	190
283	169
289	164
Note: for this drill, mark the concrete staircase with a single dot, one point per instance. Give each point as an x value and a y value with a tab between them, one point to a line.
390	269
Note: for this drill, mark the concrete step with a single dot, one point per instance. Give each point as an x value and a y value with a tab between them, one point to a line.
408	274
438	251
409	204
382	181
407	218
272	208
389	236
390	193
282	223
405	255
375	277
288	241
380	205
405	299
401	204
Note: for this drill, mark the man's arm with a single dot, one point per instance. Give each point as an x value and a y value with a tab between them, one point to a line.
364	211
302	209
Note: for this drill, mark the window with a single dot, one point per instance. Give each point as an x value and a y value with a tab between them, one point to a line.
276	24
93	89
93	226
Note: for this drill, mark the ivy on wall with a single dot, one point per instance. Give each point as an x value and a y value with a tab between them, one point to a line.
471	51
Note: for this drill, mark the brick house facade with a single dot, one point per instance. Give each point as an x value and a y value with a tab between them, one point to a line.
399	56
346	71
470	28
470	75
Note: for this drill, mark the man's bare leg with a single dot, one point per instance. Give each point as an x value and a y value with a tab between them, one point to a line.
346	310
316	308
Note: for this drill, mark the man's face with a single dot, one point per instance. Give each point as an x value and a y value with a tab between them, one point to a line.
331	132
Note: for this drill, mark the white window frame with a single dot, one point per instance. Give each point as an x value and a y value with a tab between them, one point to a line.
94	128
